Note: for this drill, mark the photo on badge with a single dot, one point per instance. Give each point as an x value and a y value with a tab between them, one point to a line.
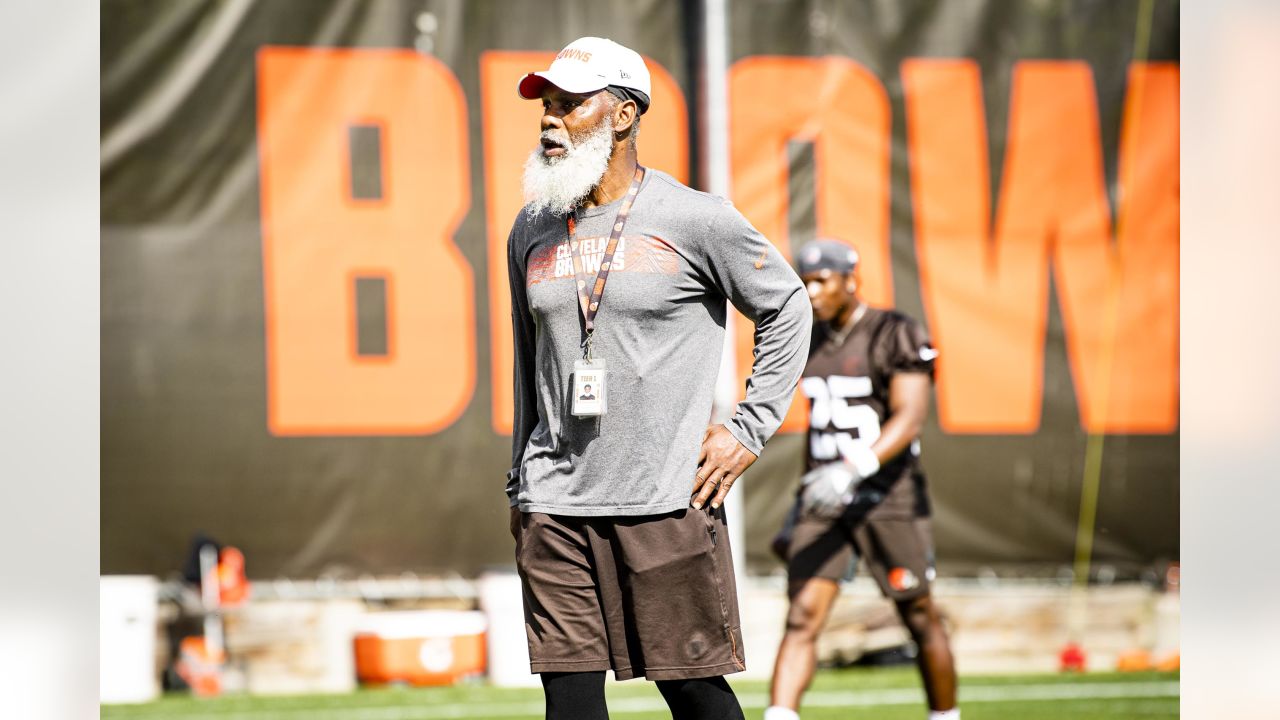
588	388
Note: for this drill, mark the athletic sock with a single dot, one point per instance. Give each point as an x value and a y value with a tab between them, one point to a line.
952	714
777	712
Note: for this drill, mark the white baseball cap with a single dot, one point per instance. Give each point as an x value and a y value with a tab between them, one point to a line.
589	64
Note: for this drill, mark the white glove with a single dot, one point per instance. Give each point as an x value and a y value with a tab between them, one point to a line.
828	489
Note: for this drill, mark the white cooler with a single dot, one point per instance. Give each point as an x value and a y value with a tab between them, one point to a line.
502	601
127	609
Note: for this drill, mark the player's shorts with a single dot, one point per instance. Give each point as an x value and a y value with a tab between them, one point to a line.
650	596
898	552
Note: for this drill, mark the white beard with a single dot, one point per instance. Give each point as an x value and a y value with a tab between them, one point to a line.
557	184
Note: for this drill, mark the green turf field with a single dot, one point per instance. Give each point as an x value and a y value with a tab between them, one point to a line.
892	694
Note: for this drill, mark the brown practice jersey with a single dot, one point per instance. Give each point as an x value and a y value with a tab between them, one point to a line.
847	384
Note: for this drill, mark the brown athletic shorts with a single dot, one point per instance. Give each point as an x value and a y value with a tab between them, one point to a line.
898	552
649	596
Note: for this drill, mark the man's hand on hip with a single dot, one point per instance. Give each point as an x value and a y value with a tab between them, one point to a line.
722	462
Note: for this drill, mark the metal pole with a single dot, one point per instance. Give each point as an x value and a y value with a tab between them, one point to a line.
715	96
715	140
210	597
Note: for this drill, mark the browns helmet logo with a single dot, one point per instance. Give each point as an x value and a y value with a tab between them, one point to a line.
902	579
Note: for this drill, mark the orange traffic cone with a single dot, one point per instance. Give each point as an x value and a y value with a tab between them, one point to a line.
199	667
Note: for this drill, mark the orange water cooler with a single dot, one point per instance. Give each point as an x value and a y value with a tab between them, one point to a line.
427	647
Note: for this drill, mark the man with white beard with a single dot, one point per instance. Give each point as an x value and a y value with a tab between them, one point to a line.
616	495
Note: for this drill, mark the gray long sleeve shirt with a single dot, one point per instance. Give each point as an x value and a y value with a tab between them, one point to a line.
660	329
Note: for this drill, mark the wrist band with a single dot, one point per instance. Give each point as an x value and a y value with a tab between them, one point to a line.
864	461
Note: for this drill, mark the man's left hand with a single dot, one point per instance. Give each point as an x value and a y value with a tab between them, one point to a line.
722	462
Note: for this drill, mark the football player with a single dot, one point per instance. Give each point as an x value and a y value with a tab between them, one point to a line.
868	380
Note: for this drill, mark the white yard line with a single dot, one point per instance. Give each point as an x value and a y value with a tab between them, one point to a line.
969	694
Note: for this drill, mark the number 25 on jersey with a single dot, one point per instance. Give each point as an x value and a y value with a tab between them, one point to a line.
835	425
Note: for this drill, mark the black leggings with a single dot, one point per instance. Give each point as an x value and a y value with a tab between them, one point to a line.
580	696
575	695
700	699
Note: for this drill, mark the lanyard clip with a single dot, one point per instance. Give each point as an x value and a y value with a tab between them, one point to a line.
586	344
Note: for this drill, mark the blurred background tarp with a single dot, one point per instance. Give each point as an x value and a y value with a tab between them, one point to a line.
305	203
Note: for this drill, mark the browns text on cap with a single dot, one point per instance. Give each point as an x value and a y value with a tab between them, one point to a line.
589	64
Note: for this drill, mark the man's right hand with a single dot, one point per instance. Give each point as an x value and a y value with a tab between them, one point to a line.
515	521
